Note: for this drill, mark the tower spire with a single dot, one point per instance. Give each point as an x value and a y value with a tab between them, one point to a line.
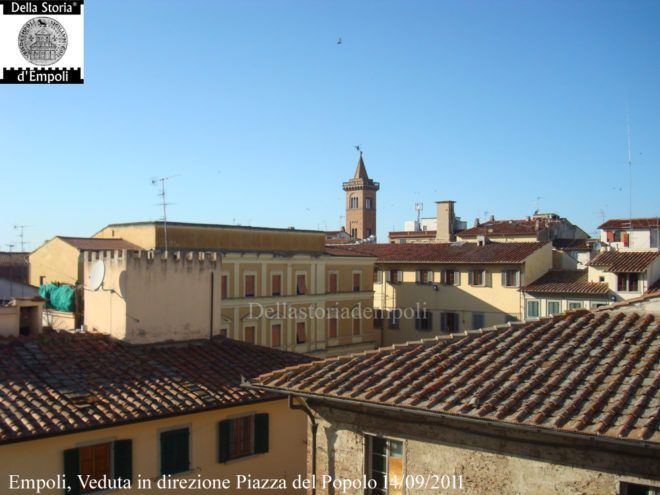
361	202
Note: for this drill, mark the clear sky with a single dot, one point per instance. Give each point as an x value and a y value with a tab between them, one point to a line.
256	109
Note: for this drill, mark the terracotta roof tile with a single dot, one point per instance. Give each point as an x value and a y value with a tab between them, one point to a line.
625	223
459	252
624	261
99	244
566	282
502	227
62	383
594	373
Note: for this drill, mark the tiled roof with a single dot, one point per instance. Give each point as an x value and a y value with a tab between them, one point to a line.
93	243
654	287
459	252
412	234
345	250
502	227
625	223
624	261
566	282
573	244
63	383
590	373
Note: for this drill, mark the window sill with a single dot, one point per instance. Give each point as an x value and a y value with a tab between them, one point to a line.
240	458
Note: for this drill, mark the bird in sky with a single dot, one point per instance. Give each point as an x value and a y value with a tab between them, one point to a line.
339	42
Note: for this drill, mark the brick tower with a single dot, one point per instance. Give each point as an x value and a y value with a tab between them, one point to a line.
361	203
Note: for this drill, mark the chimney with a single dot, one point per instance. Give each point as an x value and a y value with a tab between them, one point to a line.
476	222
445	220
491	218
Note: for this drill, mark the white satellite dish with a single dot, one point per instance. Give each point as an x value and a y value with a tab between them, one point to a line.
96	275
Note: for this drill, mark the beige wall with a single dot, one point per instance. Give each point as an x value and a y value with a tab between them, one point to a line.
56	261
9	321
284	459
148	297
490	460
152	236
646	278
494	301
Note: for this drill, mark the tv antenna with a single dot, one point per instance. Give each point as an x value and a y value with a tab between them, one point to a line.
418	208
538	203
21	236
629	171
10	246
163	195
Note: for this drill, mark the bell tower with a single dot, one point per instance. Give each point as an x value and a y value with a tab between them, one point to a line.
361	202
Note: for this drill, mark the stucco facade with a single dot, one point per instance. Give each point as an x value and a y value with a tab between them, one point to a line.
480	459
474	305
55	261
154	296
43	458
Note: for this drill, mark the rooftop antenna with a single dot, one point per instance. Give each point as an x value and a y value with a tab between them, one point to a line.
21	235
164	202
10	246
538	203
629	173
418	208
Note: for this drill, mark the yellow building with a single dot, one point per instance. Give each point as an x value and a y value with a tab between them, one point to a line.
422	290
157	416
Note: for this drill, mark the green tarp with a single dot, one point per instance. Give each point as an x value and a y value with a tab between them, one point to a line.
59	297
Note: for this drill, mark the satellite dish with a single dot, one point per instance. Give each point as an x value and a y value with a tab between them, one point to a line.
96	275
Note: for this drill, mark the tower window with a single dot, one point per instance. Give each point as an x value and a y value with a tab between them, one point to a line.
354	202
367	203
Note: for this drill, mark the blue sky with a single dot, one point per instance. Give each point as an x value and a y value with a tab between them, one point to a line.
257	108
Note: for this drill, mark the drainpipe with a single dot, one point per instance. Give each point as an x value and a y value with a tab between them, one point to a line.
305	408
211	312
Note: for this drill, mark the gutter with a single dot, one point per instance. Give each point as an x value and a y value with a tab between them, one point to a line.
306	409
481	422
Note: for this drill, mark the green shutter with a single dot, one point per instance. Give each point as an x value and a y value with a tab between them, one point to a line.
72	470
260	433
224	430
174	451
123	457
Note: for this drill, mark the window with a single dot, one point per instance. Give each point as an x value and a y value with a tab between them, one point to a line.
333	283
574	305
627	282
175	451
110	459
626	488
276	284
478	320
249	334
396	276
241	437
478	278
449	322
385	461
423	320
378	318
354	233
332	328
301	285
554	307
601	279
356	282
276	335
301	333
354	202
510	278
424	276
450	277
393	318
356	325
249	285
367	203
224	285
378	276
42	280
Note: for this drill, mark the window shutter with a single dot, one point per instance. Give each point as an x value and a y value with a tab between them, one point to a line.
504	280
443	277
429	316
277	283
471	277
72	470
224	429
174	451
457	277
418	276
388	276
399	276
260	433
443	321
123	458
487	278
517	283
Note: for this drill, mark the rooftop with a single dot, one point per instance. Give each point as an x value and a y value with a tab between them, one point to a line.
624	261
210	226
95	244
588	373
566	282
501	227
634	223
458	252
63	383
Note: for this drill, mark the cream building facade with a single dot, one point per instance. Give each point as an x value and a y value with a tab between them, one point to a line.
422	290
